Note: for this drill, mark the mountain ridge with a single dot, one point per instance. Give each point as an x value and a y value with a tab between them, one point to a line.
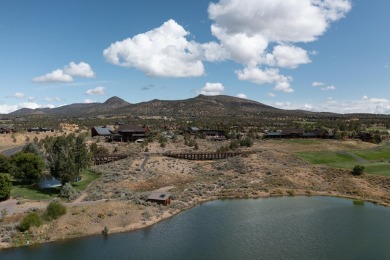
201	105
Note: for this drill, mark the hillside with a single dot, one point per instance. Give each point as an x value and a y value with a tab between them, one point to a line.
200	106
197	106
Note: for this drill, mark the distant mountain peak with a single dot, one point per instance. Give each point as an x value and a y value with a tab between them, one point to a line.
116	101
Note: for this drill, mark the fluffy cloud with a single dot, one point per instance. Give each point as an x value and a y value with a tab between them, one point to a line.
271	76
246	31
278	20
212	89
317	84
290	56
270	94
5	109
96	91
31	99
329	88
54	76
246	28
242	96
79	70
88	101
67	73
163	52
365	105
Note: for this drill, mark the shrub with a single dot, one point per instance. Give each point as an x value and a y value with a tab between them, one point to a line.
32	219
55	210
358	170
248	142
105	231
68	192
5	187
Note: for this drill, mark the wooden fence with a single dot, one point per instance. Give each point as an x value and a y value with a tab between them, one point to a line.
206	155
102	159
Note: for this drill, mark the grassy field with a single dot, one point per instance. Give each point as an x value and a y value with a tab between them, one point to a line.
376	161
382	153
34	193
86	178
325	157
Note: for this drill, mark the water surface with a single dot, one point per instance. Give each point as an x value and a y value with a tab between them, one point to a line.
274	228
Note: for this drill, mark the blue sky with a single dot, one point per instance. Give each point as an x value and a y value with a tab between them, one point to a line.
318	55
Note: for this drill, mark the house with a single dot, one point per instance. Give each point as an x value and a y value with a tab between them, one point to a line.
132	133
163	198
273	135
6	130
101	131
322	133
292	132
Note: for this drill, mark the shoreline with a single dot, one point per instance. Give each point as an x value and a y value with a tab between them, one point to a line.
195	202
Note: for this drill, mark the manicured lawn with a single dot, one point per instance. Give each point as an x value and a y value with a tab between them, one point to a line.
325	157
33	193
340	160
86	178
381	153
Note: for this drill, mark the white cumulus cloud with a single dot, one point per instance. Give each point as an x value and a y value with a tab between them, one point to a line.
163	52
317	84
241	95
5	108
246	29
54	76
88	101
329	88
96	91
212	89
290	56
67	73
79	70
270	76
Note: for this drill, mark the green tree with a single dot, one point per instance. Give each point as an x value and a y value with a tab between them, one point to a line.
31	148
82	156
5	164
358	170
68	156
28	167
5	187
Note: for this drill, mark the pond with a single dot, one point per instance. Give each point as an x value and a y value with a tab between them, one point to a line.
273	228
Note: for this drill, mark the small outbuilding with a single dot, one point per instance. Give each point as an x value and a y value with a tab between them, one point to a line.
163	198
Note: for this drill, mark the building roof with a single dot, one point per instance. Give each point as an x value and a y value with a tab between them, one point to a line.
290	130
102	130
159	196
273	133
130	128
